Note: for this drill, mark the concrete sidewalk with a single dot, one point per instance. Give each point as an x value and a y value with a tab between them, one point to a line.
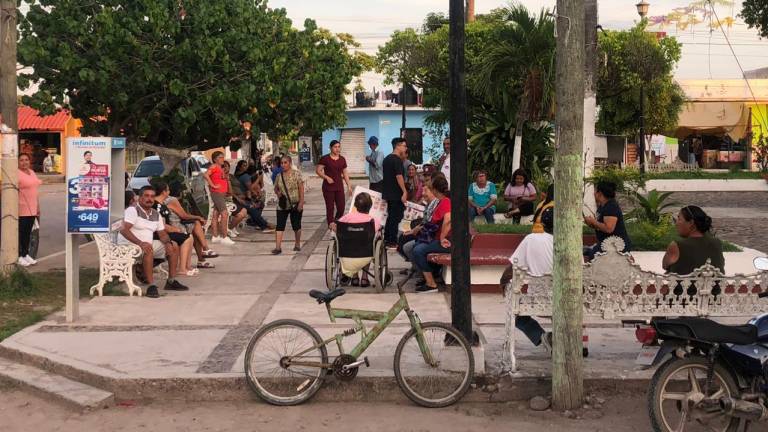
191	345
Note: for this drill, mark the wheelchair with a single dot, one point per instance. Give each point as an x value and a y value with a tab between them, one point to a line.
352	247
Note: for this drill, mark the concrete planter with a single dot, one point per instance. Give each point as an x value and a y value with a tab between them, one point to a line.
708	185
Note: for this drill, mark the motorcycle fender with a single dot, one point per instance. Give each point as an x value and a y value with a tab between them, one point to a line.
667	350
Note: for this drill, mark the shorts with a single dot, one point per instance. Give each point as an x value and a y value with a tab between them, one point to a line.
158	249
282	218
219	202
178	238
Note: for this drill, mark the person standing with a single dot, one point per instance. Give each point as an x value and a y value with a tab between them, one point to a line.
29	208
289	188
444	163
394	191
218	182
375	165
332	168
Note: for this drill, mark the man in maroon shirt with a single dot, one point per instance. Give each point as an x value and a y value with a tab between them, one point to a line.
332	168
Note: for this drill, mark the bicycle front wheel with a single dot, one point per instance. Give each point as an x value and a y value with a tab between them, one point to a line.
434	369
267	362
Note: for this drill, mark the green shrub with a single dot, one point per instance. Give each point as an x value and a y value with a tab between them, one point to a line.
625	179
651	207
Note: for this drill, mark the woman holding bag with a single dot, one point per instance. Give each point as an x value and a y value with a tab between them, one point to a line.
29	208
289	187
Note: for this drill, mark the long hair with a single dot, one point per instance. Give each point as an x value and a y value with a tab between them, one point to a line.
522	173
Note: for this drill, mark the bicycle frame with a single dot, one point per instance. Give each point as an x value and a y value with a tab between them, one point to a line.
383	319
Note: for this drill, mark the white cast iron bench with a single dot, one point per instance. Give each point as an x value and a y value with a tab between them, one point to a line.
116	261
615	288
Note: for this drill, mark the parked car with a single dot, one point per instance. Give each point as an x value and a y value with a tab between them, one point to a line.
152	166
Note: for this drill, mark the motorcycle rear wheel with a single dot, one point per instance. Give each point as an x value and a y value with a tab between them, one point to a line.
677	380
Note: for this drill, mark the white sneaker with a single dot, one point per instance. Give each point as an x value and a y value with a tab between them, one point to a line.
227	241
232	233
30	260
23	262
215	239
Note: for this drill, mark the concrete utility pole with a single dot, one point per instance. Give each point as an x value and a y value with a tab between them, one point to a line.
9	243
567	363
461	300
590	98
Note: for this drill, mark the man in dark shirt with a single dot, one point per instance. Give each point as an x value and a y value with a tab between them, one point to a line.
609	221
394	191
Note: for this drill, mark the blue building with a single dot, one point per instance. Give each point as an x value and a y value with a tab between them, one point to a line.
384	123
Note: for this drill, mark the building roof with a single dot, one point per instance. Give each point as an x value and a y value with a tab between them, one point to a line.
30	119
726	90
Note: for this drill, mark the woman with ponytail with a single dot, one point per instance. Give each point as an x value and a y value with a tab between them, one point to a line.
696	245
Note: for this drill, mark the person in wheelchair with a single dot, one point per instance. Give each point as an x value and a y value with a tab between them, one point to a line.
352	266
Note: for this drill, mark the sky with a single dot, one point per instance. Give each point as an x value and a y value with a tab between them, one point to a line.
705	54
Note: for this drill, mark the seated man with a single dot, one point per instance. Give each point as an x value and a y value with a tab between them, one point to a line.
536	254
360	214
139	223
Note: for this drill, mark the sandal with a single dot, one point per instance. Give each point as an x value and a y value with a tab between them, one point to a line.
277	251
365	283
355	281
297	248
205	265
192	272
210	254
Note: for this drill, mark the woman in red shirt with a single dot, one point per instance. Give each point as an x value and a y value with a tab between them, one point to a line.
332	168
434	234
218	182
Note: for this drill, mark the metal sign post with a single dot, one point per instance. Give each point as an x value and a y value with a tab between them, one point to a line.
95	199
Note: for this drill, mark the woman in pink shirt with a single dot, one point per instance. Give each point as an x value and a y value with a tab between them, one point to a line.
363	204
29	208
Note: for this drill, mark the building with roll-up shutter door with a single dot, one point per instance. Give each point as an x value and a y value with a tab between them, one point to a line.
383	123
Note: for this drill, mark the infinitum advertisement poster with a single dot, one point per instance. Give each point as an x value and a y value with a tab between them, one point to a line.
88	170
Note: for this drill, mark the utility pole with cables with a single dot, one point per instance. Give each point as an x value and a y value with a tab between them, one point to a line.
9	230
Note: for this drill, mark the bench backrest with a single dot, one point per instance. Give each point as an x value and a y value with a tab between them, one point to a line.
614	287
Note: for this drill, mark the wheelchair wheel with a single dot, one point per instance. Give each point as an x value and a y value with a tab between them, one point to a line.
380	266
331	265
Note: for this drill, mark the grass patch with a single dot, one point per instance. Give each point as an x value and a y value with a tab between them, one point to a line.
645	237
41	295
706	175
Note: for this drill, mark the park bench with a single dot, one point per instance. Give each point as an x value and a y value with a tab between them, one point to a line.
615	288
489	257
116	261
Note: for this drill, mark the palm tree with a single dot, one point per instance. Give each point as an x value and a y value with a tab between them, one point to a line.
521	64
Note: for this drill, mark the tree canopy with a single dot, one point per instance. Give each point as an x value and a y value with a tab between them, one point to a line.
185	73
633	59
755	14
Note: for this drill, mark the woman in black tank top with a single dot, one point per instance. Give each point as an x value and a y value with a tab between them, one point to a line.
696	245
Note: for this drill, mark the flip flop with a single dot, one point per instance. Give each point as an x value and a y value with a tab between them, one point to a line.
192	272
205	265
210	254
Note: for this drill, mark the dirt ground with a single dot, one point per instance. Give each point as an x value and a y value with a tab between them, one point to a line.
20	411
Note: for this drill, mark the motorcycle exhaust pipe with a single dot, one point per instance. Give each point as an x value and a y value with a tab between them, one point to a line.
743	409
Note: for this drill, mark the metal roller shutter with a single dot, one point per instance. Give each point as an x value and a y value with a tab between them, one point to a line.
353	149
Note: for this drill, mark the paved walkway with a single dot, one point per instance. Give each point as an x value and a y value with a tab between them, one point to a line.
202	334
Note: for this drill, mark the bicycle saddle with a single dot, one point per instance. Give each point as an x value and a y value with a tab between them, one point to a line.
326	296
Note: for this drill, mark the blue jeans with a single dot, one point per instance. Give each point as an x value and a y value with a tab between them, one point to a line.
256	218
531	328
487	213
420	252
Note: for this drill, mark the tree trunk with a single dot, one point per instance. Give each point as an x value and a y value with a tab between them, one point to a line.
9	243
567	364
171	157
518	149
590	99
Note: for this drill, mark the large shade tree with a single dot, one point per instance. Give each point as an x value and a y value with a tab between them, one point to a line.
172	75
755	14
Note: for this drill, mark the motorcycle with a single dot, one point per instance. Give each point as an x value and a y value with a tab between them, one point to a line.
710	377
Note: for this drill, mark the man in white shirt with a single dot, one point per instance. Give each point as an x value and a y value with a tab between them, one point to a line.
536	254
444	163
140	223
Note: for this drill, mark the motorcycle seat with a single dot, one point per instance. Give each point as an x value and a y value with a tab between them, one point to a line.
706	330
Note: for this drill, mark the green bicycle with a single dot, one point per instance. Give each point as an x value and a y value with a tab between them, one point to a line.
287	361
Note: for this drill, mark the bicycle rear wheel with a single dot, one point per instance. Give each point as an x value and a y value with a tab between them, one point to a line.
447	379
267	372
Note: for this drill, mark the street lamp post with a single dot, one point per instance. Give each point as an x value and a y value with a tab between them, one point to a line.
642	10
